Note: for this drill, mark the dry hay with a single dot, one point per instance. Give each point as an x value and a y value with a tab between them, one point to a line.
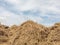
30	33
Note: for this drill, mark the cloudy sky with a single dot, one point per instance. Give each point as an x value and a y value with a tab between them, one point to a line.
45	12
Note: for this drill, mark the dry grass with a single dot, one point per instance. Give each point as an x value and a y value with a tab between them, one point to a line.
30	33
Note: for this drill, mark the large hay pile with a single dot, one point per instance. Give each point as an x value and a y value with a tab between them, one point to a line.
30	33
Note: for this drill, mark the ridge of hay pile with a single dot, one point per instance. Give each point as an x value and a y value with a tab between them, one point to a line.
30	33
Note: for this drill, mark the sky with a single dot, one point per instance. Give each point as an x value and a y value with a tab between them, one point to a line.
46	12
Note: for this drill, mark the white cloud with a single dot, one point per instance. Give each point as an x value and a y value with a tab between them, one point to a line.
52	5
1	18
48	24
13	1
44	6
35	18
9	18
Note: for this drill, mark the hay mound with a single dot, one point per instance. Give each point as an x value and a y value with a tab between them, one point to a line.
30	33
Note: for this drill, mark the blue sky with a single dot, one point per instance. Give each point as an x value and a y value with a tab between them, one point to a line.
46	12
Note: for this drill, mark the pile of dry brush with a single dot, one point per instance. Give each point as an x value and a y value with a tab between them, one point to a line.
30	33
